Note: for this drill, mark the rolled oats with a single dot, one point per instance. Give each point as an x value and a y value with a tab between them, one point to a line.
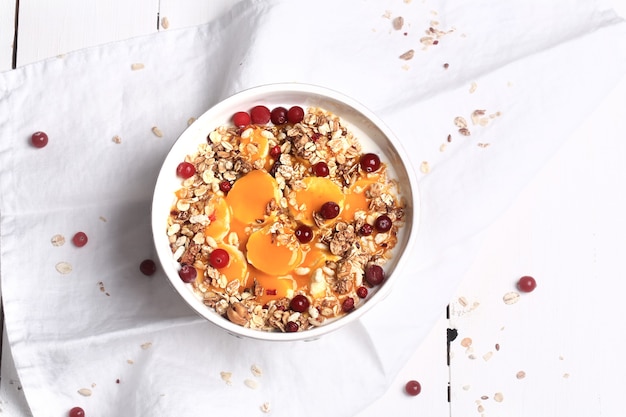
63	268
57	240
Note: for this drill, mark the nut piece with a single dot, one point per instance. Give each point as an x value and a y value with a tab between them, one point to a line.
238	314
520	375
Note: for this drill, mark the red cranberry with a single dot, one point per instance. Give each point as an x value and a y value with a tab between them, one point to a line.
321	169
366	229
187	273
299	303
362	292
304	233
185	170
348	304
76	412
80	239
278	116
219	258
315	137
413	388
383	223
147	267
275	151
225	186
39	139
241	119
374	274
370	162
260	115
291	327
526	284
295	114
330	210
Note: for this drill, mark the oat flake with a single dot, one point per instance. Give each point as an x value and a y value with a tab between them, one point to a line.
473	87
408	55
117	139
63	268
498	397
137	66
57	240
157	132
398	22
251	383
511	297
256	370
487	356
425	167
265	407
146	345
165	22
226	377
520	375
85	392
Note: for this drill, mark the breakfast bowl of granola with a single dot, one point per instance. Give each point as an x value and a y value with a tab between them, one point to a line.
284	212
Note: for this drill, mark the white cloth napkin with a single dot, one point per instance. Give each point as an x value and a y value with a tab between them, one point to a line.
536	69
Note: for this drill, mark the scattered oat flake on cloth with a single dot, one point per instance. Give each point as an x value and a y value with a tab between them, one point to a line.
57	240
408	55
498	397
425	167
63	268
117	139
165	22
146	345
520	375
226	377
511	297
473	87
157	132
398	22
137	66
265	407
85	392
256	370
251	383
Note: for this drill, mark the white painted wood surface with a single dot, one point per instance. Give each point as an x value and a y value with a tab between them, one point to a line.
550	334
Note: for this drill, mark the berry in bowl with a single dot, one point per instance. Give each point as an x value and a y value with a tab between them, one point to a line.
284	212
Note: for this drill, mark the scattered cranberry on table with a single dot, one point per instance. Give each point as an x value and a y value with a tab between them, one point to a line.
187	273
185	170
413	388
526	284
76	412
219	258
39	139
260	115
147	267
330	210
80	239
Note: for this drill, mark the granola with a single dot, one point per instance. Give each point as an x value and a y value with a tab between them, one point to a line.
251	193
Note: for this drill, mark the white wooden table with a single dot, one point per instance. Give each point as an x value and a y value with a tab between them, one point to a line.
555	352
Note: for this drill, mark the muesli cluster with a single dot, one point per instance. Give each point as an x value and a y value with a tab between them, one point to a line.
282	222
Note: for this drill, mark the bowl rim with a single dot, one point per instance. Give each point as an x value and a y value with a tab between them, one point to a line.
164	253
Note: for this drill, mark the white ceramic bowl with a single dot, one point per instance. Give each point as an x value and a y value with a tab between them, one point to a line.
367	127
